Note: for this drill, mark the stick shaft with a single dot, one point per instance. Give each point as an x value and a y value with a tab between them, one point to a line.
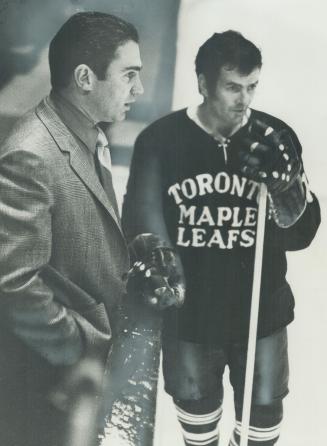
254	315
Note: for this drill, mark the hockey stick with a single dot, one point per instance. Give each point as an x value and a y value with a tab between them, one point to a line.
254	315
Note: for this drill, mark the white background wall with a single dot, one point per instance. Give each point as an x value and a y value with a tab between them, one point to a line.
292	35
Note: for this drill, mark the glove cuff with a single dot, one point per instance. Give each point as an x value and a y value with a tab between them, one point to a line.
143	245
288	206
179	291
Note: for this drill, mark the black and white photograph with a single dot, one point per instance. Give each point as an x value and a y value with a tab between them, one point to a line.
162	222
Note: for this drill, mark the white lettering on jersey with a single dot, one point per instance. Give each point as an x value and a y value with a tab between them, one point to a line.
222	227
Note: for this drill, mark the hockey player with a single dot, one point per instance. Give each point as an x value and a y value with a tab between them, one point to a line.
194	183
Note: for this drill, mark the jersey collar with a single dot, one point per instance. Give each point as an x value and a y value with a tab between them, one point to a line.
192	113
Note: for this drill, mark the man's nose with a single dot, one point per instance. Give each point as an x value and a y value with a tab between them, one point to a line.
138	87
244	97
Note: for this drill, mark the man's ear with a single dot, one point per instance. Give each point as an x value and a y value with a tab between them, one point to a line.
202	85
84	77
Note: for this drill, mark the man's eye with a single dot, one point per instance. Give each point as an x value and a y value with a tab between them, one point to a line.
234	88
252	87
130	75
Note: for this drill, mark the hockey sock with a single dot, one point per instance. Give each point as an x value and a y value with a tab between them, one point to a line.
257	436
199	426
264	426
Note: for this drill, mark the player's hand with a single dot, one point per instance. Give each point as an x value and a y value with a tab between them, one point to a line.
269	156
154	276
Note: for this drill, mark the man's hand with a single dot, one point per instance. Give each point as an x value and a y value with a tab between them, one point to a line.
269	156
155	276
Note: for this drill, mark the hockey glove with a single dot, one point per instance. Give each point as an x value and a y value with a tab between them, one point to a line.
155	276
269	156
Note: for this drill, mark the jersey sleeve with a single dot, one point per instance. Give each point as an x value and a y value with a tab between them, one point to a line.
143	207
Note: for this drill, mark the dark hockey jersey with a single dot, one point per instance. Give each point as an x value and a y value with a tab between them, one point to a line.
188	187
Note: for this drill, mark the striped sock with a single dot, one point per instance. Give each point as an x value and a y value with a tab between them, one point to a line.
263	436
199	429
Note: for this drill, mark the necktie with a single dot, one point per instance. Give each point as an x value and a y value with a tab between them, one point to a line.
102	161
103	151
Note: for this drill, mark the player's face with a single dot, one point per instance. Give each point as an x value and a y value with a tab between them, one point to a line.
229	99
113	96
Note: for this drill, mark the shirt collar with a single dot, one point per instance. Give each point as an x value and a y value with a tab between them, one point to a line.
76	120
192	113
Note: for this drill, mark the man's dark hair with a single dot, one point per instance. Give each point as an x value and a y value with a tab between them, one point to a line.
229	50
90	38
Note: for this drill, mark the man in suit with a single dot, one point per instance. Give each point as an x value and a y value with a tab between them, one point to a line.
62	252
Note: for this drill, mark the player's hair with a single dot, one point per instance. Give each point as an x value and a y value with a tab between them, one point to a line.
229	50
90	38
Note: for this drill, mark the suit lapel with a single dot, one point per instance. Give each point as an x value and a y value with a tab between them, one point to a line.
78	159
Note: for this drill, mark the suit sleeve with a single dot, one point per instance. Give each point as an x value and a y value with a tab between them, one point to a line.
28	307
300	234
143	208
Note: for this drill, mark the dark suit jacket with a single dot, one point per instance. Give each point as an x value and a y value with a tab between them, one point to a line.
62	257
